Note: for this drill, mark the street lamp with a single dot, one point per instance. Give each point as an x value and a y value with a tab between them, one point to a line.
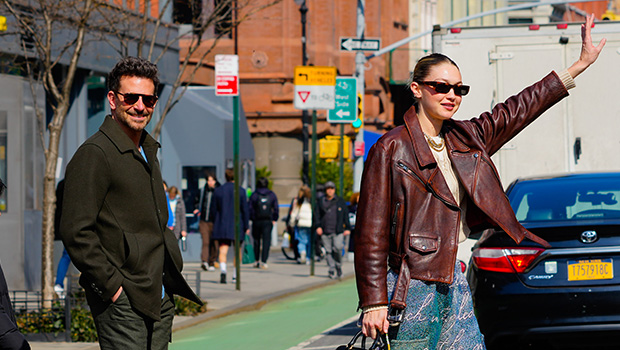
303	9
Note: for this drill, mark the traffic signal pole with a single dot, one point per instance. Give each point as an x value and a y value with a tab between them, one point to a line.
360	60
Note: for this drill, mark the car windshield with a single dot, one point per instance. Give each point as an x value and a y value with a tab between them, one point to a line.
566	198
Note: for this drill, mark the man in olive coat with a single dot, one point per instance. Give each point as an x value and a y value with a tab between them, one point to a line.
114	219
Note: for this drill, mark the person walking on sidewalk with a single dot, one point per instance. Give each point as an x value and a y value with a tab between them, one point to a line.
332	225
177	206
114	216
300	220
223	213
210	247
264	213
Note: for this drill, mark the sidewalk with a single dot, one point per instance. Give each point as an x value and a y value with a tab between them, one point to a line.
258	287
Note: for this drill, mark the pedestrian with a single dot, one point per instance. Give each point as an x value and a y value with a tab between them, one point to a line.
332	225
264	213
10	337
222	211
210	247
170	222
65	260
300	220
353	200
426	185
114	219
177	206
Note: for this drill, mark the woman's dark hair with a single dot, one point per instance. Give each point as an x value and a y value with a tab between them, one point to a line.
262	183
132	67
422	70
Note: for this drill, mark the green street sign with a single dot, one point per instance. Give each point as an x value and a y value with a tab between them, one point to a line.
345	110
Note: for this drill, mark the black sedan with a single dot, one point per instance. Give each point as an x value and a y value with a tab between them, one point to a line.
564	297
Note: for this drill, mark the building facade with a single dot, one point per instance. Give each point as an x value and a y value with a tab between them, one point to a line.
269	46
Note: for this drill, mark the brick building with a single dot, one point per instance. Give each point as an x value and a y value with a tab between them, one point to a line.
269	48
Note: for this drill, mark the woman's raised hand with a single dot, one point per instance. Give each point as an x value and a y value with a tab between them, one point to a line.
589	52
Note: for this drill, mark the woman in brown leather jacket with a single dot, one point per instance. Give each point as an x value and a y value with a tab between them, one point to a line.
426	186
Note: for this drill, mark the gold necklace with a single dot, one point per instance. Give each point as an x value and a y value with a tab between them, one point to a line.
437	146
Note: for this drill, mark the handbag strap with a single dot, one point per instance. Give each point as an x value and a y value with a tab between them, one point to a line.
380	343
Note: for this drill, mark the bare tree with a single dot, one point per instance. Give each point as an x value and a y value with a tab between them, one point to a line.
53	34
209	24
39	23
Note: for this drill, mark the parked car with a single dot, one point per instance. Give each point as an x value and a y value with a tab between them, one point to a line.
563	297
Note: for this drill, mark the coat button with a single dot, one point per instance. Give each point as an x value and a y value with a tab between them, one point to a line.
476	155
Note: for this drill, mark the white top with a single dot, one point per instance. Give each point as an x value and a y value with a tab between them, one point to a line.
458	192
304	213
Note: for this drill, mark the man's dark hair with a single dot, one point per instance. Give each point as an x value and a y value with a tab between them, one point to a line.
263	182
2	187
132	67
229	174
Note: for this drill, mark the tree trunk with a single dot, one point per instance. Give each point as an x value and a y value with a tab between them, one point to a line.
49	211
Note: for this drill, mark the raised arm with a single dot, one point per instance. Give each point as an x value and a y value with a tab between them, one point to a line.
589	52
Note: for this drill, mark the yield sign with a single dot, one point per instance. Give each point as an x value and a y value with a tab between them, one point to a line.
304	95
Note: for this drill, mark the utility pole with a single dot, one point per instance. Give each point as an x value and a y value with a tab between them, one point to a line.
303	9
360	61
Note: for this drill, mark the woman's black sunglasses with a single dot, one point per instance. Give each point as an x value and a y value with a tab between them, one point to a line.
148	100
443	88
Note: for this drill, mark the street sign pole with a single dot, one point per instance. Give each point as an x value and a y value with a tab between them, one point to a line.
227	84
236	191
313	190
341	159
360	60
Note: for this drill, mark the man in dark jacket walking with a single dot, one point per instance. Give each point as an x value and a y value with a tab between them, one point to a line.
114	219
332	226
10	337
223	213
264	213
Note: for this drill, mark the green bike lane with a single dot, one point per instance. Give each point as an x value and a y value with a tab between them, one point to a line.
277	325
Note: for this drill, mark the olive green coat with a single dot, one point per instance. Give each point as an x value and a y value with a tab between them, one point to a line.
114	219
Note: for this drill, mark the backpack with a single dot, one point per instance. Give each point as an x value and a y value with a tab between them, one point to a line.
263	207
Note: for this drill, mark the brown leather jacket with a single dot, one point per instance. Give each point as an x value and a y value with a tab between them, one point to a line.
404	194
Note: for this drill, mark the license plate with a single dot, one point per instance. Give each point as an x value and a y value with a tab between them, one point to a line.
595	269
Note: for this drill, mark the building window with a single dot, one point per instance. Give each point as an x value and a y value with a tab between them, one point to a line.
223	20
187	12
96	104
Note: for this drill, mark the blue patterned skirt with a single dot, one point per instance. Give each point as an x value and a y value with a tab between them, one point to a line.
439	316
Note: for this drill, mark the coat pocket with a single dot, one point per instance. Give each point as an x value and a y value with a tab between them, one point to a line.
132	252
423	244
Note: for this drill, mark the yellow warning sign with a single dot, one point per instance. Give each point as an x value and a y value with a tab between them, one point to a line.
315	75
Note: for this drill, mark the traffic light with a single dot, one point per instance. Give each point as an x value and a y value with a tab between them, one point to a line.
359	122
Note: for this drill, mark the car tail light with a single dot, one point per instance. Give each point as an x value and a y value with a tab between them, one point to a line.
507	260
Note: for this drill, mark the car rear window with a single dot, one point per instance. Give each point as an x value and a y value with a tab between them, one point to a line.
566	198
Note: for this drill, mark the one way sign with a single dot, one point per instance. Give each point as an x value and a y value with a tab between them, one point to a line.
357	44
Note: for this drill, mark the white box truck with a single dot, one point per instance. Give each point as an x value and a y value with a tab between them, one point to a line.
582	132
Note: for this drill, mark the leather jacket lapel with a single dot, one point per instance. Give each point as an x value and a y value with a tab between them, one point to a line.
427	165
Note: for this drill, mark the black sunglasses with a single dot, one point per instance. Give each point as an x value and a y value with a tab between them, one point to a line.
443	88
148	100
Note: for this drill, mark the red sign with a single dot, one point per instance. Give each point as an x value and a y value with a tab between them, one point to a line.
359	148
227	75
227	85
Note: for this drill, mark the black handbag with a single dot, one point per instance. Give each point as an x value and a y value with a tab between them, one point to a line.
380	343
